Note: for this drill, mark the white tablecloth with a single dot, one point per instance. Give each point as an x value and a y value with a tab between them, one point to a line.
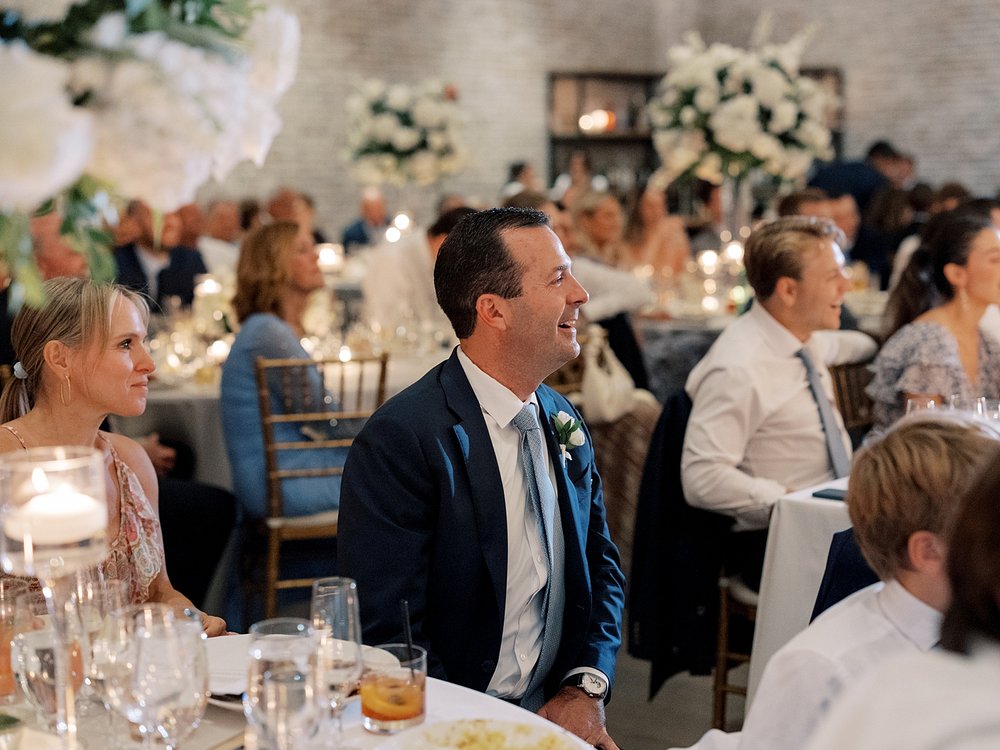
798	542
223	729
190	414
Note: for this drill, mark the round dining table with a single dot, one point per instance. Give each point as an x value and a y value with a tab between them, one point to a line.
225	728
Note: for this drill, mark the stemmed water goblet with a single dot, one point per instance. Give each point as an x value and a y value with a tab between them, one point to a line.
337	622
156	672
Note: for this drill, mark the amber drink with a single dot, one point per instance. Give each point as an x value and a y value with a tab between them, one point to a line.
393	689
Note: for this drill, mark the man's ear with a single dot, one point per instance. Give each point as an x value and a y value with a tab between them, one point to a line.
786	291
57	356
493	311
927	552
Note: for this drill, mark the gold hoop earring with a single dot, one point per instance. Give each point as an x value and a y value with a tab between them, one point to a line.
66	396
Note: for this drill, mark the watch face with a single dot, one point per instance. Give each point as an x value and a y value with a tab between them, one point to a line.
592	685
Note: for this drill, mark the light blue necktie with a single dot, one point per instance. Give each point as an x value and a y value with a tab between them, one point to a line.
542	500
834	442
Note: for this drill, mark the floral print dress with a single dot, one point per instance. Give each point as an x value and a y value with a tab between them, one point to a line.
923	357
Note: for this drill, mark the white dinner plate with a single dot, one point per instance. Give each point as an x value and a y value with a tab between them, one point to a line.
229	662
482	734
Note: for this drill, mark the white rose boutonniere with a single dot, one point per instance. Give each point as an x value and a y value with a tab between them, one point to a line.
569	432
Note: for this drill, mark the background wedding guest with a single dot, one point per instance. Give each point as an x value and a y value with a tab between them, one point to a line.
578	179
441	470
399	282
82	357
935	347
156	264
369	227
219	244
901	499
520	177
652	240
939	699
763	420
277	272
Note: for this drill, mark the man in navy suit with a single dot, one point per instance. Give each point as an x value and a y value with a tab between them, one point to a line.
436	506
158	269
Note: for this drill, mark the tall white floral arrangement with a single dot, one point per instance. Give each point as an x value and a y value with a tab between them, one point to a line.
402	135
144	99
723	112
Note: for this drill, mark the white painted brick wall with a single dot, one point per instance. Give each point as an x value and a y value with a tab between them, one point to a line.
921	72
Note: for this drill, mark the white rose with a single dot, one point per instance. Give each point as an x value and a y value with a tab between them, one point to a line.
576	438
659	117
383	127
423	167
40	11
47	141
783	117
797	163
734	123
398	97
109	32
273	50
707	97
813	136
155	140
561	419
769	85
688	115
437	140
405	139
765	147
367	170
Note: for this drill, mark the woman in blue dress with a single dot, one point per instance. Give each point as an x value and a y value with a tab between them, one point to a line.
278	271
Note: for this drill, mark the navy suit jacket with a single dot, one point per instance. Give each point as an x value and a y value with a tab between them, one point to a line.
422	518
177	279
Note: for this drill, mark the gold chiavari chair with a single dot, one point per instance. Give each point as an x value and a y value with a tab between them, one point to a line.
316	396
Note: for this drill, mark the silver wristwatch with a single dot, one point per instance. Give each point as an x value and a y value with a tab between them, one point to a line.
591	684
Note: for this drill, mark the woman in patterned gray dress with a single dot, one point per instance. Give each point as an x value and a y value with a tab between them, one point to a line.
936	349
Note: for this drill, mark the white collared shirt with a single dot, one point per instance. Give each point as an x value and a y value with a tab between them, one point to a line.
920	702
805	677
755	431
151	265
527	567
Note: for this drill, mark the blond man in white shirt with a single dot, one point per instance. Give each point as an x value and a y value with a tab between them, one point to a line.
756	429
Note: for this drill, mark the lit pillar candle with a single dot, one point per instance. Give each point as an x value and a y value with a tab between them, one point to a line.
63	516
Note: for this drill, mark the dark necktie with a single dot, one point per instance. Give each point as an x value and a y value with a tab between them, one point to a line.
834	442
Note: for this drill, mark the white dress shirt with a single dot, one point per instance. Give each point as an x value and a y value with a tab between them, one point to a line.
806	676
920	702
755	432
527	566
612	291
399	286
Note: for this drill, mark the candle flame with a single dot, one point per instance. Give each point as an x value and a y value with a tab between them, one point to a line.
39	481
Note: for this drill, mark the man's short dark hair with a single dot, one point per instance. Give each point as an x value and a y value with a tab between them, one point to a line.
791	204
449	220
474	260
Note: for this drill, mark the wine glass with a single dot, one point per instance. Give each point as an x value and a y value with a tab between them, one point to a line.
10	589
283	700
337	622
156	672
34	648
100	601
920	403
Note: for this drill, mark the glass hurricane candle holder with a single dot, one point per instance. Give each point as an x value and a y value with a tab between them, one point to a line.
54	521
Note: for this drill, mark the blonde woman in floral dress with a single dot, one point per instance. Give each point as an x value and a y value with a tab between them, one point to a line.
82	356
